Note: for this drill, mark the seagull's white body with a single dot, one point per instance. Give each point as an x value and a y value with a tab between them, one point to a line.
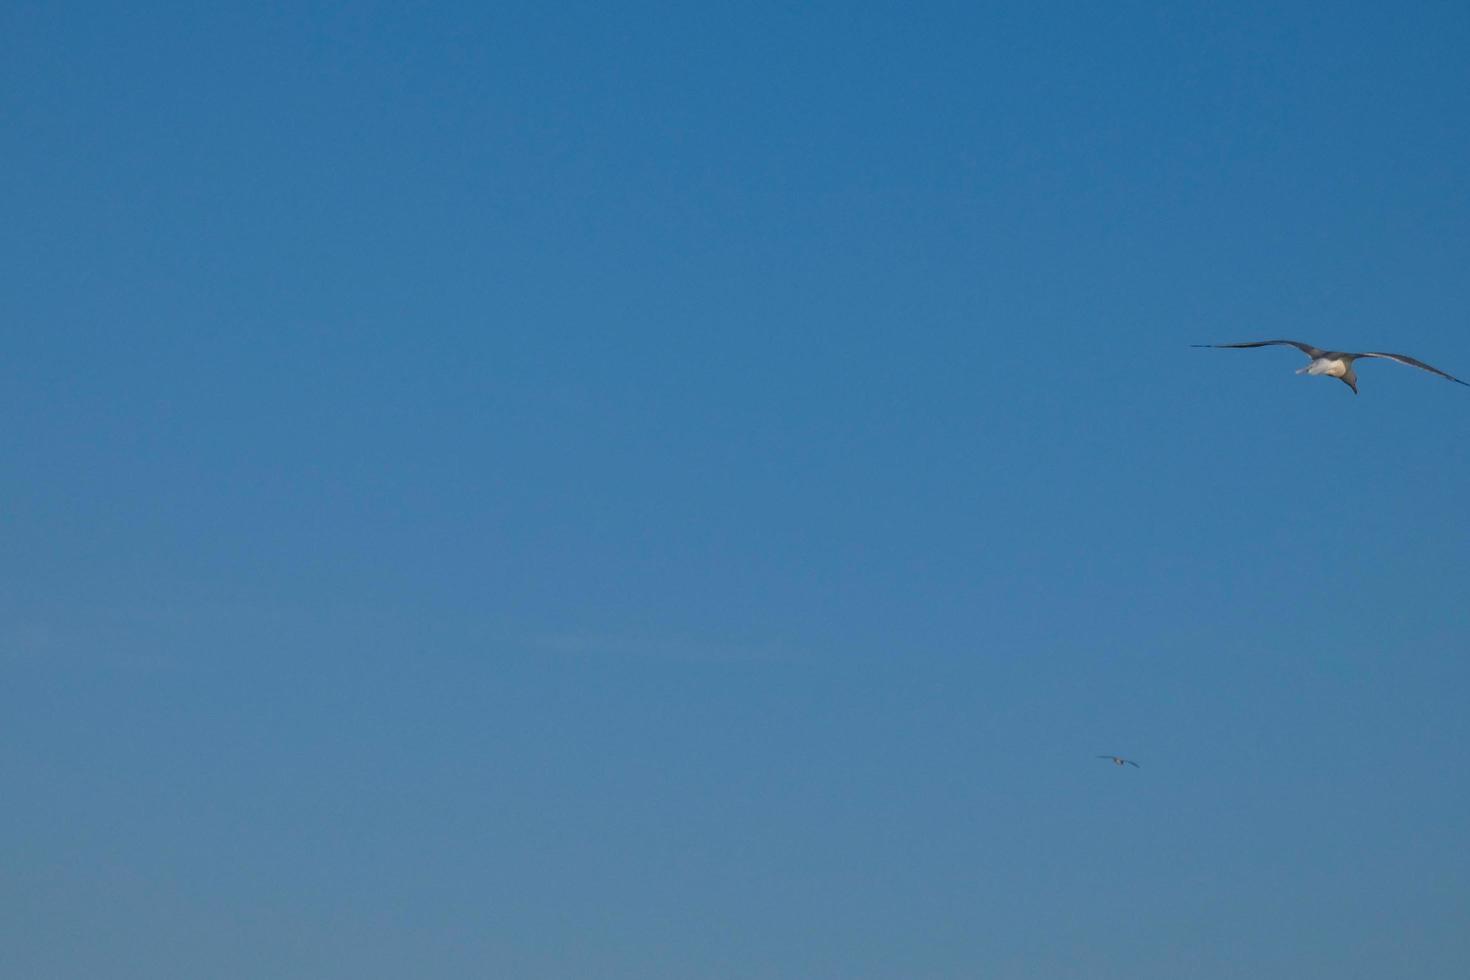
1332	367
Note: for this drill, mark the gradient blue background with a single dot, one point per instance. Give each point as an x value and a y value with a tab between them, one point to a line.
685	491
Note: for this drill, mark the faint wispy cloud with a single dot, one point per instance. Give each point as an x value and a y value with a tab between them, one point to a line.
678	649
21	642
83	637
144	635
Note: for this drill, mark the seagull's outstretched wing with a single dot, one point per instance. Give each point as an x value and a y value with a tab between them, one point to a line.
1405	359
1307	349
1133	764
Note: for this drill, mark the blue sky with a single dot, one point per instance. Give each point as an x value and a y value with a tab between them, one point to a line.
542	491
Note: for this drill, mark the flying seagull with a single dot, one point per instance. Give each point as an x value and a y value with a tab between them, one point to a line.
1339	364
1120	761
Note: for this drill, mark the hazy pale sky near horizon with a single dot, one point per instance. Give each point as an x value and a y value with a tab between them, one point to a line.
686	491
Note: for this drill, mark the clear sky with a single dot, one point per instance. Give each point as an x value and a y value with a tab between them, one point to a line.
686	491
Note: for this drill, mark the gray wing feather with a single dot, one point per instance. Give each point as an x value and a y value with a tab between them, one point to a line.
1412	362
1306	349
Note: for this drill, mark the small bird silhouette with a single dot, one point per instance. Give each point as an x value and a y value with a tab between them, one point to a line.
1339	364
1120	761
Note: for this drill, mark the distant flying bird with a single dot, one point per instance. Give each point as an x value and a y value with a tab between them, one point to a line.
1339	364
1120	761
